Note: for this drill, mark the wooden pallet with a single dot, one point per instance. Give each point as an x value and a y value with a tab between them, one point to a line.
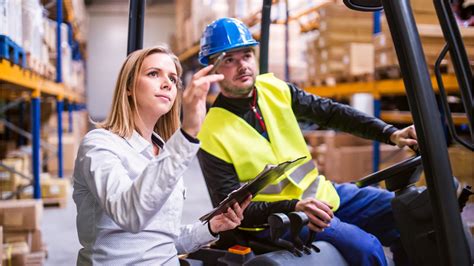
333	80
387	72
55	202
394	72
355	78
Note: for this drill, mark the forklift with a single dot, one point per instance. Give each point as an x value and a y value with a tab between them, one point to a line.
429	220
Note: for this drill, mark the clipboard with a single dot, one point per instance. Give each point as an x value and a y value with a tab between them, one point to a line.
268	175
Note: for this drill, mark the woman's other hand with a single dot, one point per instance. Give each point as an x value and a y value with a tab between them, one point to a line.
194	100
230	219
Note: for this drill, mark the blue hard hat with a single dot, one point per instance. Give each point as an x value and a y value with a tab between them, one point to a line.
222	35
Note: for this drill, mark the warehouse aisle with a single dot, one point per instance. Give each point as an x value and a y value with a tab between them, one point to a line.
59	234
59	225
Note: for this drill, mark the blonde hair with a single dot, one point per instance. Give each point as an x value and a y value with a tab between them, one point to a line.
120	119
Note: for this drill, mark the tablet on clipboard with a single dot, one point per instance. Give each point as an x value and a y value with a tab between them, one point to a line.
269	174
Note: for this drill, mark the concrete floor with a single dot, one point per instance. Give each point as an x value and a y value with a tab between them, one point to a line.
59	225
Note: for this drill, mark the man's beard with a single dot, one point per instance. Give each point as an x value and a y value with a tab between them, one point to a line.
237	92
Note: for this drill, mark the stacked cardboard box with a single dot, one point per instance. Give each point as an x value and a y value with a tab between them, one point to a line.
332	150
462	166
358	59
431	37
24	23
70	141
191	18
6	146
337	50
11	180
54	191
70	146
10	20
22	241
277	60
80	123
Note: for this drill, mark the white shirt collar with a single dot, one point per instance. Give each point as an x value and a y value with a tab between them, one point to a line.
140	144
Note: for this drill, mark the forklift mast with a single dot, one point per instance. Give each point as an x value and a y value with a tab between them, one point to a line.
452	245
136	18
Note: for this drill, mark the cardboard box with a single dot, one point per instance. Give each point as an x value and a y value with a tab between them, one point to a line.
423	6
462	164
385	58
358	161
51	188
14	252
9	180
15	237
21	215
30	259
70	147
36	241
341	38
336	23
6	146
55	188
359	59
342	157
32	238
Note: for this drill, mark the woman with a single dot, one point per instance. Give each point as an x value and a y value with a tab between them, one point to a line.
127	178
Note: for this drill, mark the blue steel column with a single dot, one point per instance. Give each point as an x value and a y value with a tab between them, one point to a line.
59	111
59	20
377	104
36	124
69	113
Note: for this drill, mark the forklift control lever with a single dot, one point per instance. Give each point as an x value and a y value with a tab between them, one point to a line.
279	224
298	221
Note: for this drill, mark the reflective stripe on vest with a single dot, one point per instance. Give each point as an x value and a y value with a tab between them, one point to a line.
310	192
296	176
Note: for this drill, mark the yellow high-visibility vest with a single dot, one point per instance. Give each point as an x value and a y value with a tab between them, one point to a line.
231	139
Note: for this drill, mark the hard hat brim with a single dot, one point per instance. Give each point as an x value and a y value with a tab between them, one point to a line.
204	60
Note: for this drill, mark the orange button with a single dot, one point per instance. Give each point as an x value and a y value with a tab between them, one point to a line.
240	250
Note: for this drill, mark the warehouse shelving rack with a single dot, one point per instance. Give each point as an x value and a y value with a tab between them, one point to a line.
390	87
24	80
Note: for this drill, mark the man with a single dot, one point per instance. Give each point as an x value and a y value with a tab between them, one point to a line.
253	122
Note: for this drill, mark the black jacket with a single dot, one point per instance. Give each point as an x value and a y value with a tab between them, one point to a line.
221	177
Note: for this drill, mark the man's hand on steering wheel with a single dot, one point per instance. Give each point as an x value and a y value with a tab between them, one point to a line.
405	137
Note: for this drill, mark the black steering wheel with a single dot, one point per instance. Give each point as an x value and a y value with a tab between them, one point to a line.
397	176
